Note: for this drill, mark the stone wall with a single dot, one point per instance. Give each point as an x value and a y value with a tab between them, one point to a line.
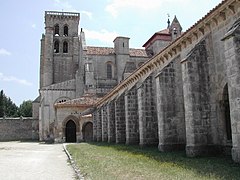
13	129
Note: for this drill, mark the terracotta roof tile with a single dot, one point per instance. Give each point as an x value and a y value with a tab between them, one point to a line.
109	51
164	31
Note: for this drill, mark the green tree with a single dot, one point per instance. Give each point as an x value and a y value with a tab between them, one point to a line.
10	108
25	109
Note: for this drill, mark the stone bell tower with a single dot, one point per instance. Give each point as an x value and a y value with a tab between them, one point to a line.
59	58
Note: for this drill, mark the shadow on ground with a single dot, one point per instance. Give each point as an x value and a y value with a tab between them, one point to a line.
221	166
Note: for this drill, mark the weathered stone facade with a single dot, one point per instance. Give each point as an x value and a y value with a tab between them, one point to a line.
69	70
12	129
187	95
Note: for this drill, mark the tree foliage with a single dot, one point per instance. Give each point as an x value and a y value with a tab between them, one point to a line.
10	109
25	109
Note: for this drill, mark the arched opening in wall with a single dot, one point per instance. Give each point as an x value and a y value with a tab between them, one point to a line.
70	131
65	47
87	132
227	113
65	30
56	30
56	46
109	71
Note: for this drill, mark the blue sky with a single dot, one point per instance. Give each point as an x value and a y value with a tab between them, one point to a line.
22	24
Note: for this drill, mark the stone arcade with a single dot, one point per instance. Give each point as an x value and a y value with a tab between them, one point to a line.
181	92
186	96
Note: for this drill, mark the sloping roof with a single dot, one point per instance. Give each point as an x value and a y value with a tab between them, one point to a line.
87	100
91	50
160	34
164	31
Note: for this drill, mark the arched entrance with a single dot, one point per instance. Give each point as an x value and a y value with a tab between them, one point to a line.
88	132
70	131
227	113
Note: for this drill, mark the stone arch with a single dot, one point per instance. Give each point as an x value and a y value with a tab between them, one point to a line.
227	117
68	123
87	131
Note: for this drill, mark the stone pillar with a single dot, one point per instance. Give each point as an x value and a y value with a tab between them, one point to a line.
131	111
170	108
232	56
148	127
111	121
99	125
120	122
95	126
196	101
104	123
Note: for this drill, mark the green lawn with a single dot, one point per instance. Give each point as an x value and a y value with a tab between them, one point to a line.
111	161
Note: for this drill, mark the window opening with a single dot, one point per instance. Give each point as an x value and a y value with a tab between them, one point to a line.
65	29
56	47
65	47
109	71
56	30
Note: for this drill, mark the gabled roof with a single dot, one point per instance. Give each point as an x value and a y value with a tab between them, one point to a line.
103	51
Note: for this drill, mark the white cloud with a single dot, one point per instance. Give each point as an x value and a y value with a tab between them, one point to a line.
117	5
34	26
87	13
4	52
14	79
102	36
64	5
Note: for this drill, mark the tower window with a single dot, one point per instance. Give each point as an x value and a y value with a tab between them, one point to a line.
65	47
109	71
56	46
65	29
56	30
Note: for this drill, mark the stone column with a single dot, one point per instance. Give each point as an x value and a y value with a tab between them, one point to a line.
131	111
95	126
120	122
111	121
148	127
196	101
232	56
170	108
104	123
99	125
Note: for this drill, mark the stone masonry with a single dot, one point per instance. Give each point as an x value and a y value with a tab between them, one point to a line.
13	129
188	95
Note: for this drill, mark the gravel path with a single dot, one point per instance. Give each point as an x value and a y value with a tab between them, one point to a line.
35	161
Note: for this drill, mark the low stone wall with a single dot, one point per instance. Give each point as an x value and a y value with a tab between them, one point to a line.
20	128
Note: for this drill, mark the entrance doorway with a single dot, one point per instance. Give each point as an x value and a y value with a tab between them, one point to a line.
88	132
70	131
227	113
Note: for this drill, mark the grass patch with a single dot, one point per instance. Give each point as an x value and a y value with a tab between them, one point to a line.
113	161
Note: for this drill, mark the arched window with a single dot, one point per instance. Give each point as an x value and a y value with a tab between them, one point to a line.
65	47
56	30
65	30
56	46
109	71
